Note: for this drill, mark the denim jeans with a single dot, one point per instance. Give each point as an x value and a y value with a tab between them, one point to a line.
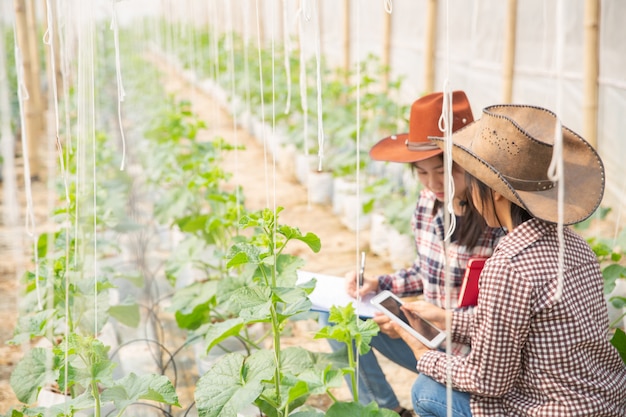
430	399
372	384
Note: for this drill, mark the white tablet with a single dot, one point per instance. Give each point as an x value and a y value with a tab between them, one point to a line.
423	330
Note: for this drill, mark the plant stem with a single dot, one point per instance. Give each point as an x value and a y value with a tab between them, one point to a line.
352	363
276	336
96	397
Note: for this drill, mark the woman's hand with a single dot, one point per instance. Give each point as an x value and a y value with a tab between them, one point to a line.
432	313
417	347
385	325
370	284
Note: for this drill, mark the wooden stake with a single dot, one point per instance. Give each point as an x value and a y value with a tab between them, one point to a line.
591	71
33	114
508	67
429	48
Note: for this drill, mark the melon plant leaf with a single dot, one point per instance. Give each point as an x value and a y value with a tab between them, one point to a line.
233	383
127	314
253	303
33	372
341	409
132	388
619	341
218	332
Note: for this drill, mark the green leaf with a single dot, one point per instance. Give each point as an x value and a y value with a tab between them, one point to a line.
307	412
619	341
233	383
342	409
133	388
193	304
32	325
218	332
611	273
34	371
291	301
253	303
127	314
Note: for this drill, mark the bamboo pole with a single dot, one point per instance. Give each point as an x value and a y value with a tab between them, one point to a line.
32	114
430	46
508	67
591	71
346	37
386	55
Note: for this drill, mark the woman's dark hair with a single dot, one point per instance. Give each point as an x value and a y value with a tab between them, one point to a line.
518	214
470	226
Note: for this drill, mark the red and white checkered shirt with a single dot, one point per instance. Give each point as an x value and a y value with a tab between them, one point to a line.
427	274
532	356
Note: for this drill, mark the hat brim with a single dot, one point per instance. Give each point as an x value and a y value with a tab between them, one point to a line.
583	181
394	149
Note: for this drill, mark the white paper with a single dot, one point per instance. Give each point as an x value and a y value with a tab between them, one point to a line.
330	291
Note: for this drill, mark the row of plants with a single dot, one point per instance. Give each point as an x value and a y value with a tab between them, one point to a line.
257	84
244	276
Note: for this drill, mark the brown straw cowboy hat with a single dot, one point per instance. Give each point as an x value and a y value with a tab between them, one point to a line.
510	150
423	122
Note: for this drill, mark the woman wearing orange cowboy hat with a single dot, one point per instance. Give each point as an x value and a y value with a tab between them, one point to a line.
539	334
427	274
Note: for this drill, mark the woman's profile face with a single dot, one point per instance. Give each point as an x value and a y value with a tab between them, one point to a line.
430	173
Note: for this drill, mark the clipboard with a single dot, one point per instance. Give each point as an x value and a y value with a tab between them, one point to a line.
329	291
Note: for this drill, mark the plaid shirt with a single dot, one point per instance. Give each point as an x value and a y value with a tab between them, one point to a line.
427	275
531	356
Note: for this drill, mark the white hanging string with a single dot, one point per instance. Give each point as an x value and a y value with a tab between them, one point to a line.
10	212
233	101
30	227
302	12
261	94
287	50
49	37
273	138
445	125
360	260
555	171
320	116
388	6
118	74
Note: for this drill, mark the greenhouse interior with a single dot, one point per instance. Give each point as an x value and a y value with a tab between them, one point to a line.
201	207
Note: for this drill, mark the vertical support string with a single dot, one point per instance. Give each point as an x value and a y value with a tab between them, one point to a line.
304	16
29	220
320	115
445	124
287	50
358	259
261	94
233	101
118	74
555	171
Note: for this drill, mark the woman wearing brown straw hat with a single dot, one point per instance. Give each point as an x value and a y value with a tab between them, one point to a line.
426	275
539	334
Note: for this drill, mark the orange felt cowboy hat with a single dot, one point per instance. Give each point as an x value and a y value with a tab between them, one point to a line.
510	150
423	122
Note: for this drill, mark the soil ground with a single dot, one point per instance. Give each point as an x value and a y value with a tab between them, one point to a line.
264	185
